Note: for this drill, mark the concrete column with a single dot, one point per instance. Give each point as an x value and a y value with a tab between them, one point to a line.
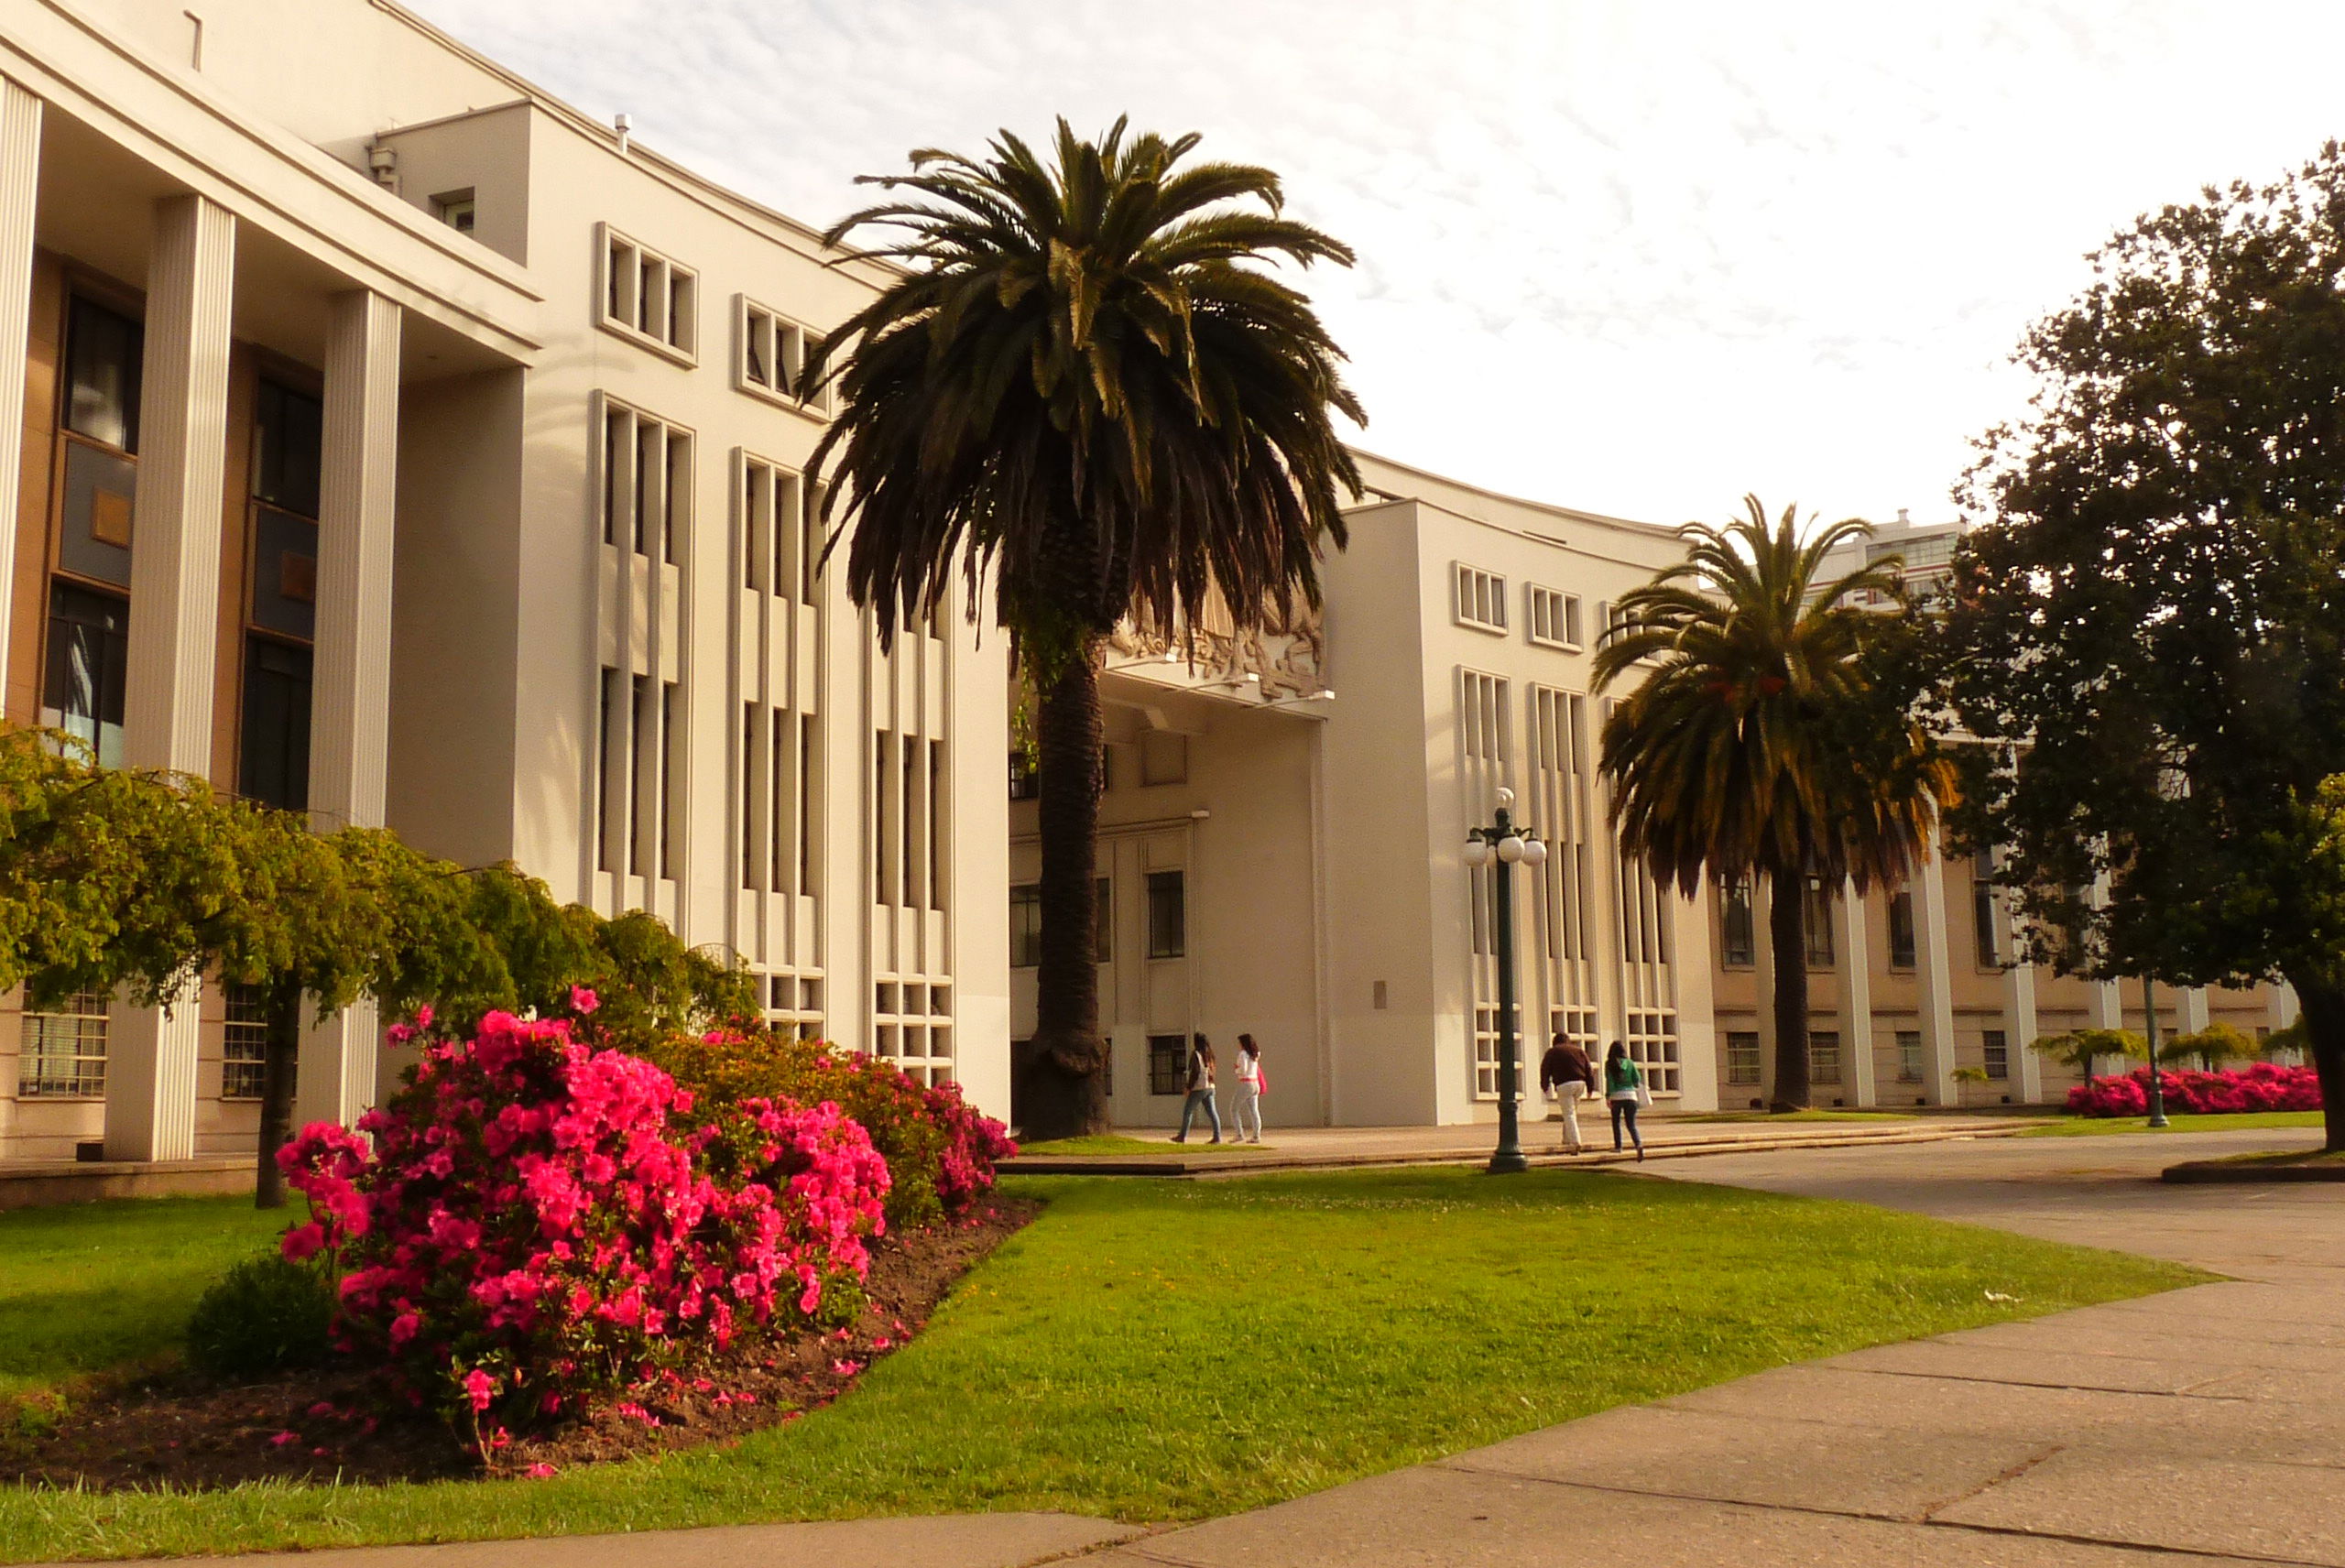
19	180
1856	999
2021	1030
2190	1008
174	616
350	701
1934	963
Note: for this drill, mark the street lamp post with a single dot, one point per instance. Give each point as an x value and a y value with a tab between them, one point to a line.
2150	1031
1501	847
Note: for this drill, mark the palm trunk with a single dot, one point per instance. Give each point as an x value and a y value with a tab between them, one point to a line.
1066	1091
2323	1000
279	1059
1787	928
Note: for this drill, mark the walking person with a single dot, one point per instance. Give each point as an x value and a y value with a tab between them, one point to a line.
1624	1090
1566	1074
1251	1085
1200	1089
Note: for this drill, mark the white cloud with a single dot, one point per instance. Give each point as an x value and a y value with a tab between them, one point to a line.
1634	257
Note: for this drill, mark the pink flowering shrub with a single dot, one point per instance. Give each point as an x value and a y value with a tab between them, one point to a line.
535	1226
2261	1087
941	1151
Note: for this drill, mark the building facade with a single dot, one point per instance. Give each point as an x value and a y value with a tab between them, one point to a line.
400	445
1286	815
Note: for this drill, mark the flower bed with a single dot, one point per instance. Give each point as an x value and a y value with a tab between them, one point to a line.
2261	1087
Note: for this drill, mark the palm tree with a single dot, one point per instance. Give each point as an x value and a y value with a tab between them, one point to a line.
1768	737
1086	389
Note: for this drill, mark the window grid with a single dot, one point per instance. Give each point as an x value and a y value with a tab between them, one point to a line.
1738	925
1480	598
1553	617
1168	915
648	299
1996	1052
64	1052
1742	1059
243	1043
1909	1056
1823	1056
1168	1063
775	778
912	1027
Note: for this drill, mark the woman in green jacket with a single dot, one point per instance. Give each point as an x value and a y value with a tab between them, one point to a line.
1624	1092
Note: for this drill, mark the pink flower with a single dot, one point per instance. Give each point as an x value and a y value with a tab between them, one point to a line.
583	1001
541	1471
282	1438
479	1386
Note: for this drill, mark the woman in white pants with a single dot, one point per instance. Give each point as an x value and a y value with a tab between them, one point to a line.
1249	1090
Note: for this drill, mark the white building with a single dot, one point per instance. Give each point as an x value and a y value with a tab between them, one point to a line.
1282	831
403	444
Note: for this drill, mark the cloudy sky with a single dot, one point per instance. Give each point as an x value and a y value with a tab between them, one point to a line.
1629	256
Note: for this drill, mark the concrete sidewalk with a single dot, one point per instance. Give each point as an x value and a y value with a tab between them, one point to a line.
1666	1137
2207	1421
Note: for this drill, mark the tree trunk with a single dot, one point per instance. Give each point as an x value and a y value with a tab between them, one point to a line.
1066	1090
1787	928
279	1060
2323	1000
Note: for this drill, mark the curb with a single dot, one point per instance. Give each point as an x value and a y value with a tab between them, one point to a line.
1691	1149
2238	1174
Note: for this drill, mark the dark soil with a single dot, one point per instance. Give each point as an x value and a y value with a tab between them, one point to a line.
175	1428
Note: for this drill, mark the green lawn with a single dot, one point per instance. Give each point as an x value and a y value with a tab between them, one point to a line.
96	1285
1116	1143
2237	1121
1171	1350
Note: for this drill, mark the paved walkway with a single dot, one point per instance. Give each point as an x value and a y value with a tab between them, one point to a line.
2204	1426
1666	1137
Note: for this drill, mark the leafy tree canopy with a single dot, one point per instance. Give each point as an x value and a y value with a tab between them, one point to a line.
2150	638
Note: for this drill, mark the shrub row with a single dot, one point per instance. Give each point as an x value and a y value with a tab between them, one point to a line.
2261	1087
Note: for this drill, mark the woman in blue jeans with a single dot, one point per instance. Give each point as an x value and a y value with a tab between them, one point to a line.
1200	1089
1623	1091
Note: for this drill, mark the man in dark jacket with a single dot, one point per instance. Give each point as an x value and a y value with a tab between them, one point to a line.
1566	1072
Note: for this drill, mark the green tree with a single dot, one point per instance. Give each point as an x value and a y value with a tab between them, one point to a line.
2152	628
1088	388
2081	1050
1770	734
146	882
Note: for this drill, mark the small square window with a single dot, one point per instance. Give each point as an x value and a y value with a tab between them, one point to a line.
1741	1058
1553	617
456	209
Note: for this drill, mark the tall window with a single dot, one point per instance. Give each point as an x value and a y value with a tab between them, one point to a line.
84	665
1997	1047
281	599
1168	1063
1025	925
1909	1056
1900	929
1985	918
244	1044
1168	915
1816	900
1737	934
65	1051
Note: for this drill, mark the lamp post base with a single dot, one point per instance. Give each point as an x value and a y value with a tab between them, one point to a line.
1509	1162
